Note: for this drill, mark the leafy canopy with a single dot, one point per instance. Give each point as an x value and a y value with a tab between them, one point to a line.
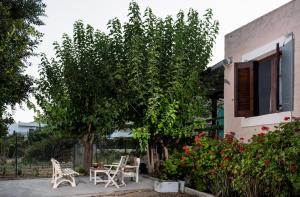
79	89
147	70
18	38
165	60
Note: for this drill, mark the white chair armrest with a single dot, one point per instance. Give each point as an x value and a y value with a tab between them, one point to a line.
111	165
128	166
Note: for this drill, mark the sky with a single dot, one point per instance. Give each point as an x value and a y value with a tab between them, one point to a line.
61	15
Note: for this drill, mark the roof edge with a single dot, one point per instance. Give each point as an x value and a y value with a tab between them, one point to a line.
268	13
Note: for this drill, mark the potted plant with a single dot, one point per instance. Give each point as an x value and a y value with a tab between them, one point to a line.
168	178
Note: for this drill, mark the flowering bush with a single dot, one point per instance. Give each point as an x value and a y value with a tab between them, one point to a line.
267	166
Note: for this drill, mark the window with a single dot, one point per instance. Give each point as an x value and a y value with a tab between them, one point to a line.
265	86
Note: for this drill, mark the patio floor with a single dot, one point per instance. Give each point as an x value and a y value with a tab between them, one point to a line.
42	187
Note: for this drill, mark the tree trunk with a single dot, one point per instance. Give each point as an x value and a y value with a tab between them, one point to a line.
165	150
150	158
88	148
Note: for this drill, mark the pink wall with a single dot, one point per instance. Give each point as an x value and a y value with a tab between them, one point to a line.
257	33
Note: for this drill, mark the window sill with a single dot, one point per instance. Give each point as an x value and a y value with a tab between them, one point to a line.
267	119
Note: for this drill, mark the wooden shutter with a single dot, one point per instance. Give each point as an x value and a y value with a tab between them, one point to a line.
245	80
287	75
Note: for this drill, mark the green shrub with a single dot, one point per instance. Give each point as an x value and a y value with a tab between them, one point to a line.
271	162
80	170
109	156
267	166
19	171
53	147
36	171
3	170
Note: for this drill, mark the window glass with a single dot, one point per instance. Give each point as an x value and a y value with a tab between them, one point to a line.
264	87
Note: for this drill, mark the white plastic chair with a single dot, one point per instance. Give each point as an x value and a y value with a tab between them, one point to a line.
133	171
115	173
62	175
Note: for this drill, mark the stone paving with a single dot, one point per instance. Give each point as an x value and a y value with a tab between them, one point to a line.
85	188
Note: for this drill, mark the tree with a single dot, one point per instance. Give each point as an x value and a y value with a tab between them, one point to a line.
147	71
18	39
166	59
78	90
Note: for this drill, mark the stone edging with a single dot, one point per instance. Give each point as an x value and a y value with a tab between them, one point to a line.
196	193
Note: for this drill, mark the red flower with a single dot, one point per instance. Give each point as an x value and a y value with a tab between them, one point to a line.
187	151
185	147
197	139
222	152
226	158
292	168
286	118
264	128
229	137
183	159
242	148
261	134
201	134
266	162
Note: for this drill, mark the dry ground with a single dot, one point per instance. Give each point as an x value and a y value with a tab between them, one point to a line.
144	193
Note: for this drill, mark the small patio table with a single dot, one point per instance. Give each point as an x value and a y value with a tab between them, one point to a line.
98	179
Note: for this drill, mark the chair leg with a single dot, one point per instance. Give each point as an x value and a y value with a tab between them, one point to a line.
90	175
109	180
95	175
52	179
122	180
137	175
123	183
70	179
114	183
55	186
73	183
56	183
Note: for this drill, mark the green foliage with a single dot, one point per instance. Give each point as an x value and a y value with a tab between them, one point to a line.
8	144
268	166
38	145
35	171
79	88
108	156
272	162
146	71
18	39
165	59
80	170
51	147
173	168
